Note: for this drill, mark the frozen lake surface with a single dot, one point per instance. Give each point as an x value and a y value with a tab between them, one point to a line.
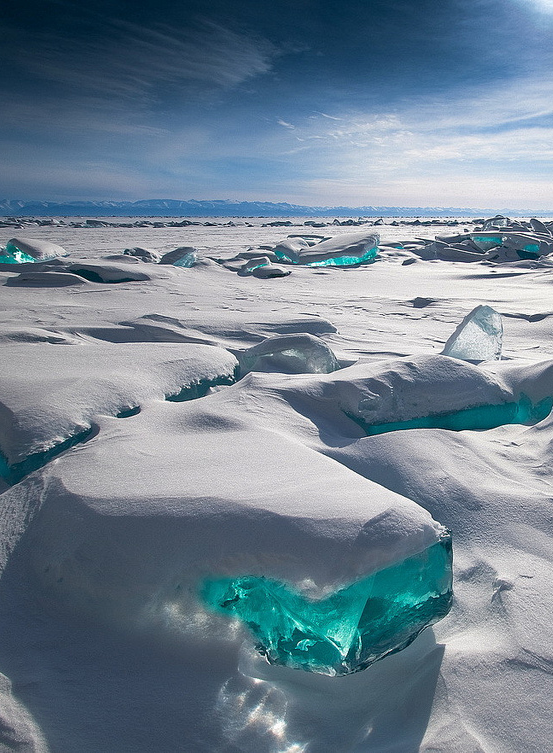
172	435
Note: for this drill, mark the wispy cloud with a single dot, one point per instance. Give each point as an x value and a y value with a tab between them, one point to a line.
132	62
493	141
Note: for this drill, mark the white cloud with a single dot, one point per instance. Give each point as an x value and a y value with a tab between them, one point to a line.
480	148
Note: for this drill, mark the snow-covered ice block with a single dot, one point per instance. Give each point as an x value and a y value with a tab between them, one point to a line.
144	254
22	250
254	263
262	267
136	525
479	337
295	354
343	250
270	271
79	382
107	271
183	256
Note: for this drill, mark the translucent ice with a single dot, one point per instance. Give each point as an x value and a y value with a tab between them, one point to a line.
201	388
12	474
479	337
296	354
349	629
341	251
184	256
25	250
481	417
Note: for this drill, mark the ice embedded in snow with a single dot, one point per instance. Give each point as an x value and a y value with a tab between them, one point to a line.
350	629
136	526
81	382
183	256
479	337
292	354
144	254
23	250
262	267
343	250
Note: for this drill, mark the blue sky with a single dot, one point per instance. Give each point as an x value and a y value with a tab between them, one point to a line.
321	102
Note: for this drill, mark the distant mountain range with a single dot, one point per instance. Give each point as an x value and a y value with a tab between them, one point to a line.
228	208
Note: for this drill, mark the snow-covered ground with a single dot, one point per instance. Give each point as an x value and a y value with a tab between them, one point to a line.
170	475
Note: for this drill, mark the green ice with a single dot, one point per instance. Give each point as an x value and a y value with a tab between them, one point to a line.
351	628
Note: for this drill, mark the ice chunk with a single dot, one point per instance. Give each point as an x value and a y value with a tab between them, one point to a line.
297	354
494	222
183	256
350	629
343	250
255	263
479	337
486	240
267	271
262	267
144	254
24	250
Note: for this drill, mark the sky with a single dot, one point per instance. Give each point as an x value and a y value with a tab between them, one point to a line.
316	102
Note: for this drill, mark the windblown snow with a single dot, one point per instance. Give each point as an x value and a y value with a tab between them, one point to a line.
233	459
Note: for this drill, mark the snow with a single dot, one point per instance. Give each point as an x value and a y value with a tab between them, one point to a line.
105	643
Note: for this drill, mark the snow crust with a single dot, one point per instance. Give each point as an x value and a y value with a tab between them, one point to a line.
104	642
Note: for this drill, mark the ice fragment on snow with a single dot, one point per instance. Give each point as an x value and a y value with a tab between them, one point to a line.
144	254
341	251
296	354
183	256
350	629
479	337
24	250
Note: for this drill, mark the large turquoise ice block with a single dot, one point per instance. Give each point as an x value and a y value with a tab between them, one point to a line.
352	627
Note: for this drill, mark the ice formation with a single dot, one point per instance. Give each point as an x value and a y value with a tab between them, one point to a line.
302	353
262	267
349	629
144	254
479	337
183	256
23	250
522	411
341	251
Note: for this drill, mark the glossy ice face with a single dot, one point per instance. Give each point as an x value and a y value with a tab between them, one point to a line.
350	629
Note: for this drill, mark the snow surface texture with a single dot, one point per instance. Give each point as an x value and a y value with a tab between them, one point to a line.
105	642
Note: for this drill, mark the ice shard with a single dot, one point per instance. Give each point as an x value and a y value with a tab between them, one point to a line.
296	354
479	337
351	628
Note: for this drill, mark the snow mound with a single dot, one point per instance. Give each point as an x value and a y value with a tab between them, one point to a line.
77	383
